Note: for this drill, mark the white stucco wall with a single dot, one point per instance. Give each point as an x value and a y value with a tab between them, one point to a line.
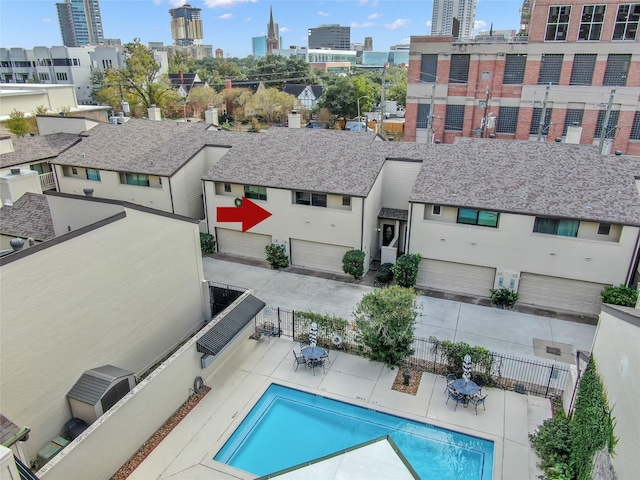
617	356
399	177
109	186
123	294
55	124
514	246
371	236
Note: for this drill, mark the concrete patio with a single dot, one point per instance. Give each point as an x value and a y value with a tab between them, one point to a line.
188	451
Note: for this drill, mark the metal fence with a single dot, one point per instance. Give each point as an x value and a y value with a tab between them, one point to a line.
544	379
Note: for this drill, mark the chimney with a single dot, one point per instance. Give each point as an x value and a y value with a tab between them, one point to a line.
181	78
294	119
574	132
211	116
154	113
227	83
6	144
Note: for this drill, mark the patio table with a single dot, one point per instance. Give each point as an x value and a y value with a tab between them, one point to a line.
468	389
312	355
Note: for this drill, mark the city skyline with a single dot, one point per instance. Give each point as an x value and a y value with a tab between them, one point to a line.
231	24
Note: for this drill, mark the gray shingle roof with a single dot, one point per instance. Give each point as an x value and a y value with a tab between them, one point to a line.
328	161
32	149
28	217
561	180
142	146
95	382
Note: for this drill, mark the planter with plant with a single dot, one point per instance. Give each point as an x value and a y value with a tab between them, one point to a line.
503	298
620	295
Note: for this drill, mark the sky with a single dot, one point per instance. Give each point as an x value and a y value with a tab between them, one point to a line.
230	24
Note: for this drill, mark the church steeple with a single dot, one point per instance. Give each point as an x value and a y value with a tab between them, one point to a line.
273	37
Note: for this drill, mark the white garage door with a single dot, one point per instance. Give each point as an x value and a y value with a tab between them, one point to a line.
561	293
320	256
456	277
245	244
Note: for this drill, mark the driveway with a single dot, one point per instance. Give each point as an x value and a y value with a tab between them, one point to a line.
503	331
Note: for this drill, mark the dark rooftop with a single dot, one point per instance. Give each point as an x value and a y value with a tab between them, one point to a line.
28	217
37	148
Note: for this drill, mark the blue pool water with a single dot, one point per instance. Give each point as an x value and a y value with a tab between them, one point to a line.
288	427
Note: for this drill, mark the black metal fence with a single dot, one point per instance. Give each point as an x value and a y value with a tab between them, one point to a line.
221	296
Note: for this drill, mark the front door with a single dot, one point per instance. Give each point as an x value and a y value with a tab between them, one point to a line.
388	233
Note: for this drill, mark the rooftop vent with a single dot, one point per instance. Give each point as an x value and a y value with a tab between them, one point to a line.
88	191
16	244
618	152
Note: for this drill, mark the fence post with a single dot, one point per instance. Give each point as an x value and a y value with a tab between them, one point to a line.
546	394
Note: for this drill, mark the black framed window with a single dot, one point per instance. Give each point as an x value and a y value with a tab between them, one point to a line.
135	179
584	65
591	22
459	71
604	229
558	23
454	119
635	128
227	187
572	117
627	20
617	70
255	192
308	198
507	119
535	121
554	226
514	66
429	67
423	115
346	201
611	124
550	68
483	218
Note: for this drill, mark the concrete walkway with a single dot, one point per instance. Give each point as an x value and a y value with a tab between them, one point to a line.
503	331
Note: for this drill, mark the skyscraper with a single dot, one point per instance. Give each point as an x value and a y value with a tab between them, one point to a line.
333	37
273	35
186	25
454	17
80	22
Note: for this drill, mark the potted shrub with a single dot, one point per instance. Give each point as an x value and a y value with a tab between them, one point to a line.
503	298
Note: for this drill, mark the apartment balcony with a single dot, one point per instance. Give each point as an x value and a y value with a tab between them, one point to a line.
47	181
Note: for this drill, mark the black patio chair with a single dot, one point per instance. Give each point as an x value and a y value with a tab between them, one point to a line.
313	363
300	360
456	397
477	400
450	378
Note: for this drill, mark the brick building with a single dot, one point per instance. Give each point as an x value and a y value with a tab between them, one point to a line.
574	78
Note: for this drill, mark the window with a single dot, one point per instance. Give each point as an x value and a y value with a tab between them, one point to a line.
44	77
583	67
135	179
627	20
255	192
535	121
514	66
591	22
308	198
611	125
93	175
553	226
507	119
558	23
617	70
227	187
477	217
604	229
74	170
423	115
635	128
459	71
573	117
436	209
550	67
346	201
428	67
62	76
454	119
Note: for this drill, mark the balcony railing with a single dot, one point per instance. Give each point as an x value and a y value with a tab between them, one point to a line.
47	181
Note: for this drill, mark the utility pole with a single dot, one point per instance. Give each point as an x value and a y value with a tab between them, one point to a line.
605	123
543	114
382	101
486	110
430	118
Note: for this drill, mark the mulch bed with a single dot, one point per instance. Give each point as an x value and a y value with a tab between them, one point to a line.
414	382
158	436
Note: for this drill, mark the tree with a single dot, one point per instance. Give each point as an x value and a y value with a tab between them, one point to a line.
341	98
405	270
17	123
200	98
271	104
277	70
353	263
181	62
385	320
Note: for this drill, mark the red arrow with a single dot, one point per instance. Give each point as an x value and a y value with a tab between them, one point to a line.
249	214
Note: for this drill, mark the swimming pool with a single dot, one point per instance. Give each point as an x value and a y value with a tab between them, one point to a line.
288	427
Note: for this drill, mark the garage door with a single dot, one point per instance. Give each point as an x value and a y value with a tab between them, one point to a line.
245	244
560	293
319	256
456	277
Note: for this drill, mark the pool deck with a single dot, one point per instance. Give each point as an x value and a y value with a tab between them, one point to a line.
188	451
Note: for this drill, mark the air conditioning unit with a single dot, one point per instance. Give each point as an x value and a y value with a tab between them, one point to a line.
507	279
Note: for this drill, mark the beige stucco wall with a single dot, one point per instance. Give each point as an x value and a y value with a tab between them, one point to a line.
54	124
514	246
399	177
123	294
109	186
27	97
617	357
370	235
316	224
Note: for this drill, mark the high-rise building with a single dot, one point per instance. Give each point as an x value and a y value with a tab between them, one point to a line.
80	22
273	34
333	37
186	25
454	17
368	44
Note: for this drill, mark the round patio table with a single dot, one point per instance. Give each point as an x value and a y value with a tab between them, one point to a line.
468	389
313	353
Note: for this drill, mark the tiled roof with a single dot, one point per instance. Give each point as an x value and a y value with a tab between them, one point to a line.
303	159
40	147
28	217
553	179
393	214
142	146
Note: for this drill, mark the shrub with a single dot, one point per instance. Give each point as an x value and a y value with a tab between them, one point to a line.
17	123
454	352
405	270
385	273
620	295
353	263
552	442
503	298
276	256
207	243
